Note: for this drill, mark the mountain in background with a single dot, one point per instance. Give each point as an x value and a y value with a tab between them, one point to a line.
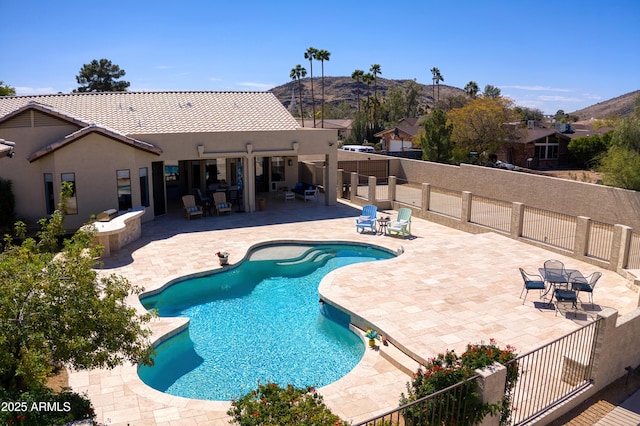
344	89
621	106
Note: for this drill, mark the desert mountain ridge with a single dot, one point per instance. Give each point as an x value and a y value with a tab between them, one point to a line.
344	89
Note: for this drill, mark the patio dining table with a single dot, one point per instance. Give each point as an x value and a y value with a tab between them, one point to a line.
561	278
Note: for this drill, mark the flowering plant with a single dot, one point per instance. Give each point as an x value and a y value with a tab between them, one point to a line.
222	254
371	334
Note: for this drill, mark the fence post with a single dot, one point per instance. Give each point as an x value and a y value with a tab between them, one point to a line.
517	219
339	183
620	247
372	190
492	382
465	214
391	189
426	197
354	186
581	243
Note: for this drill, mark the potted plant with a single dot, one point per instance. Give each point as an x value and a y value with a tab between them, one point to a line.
372	335
223	257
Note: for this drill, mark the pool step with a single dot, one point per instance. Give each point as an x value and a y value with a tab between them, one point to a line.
309	256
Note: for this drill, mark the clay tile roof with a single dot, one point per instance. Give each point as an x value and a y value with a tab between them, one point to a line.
139	113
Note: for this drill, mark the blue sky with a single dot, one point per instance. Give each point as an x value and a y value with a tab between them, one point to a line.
546	54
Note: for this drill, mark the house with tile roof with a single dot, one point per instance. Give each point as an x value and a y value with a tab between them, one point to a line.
400	137
123	150
536	147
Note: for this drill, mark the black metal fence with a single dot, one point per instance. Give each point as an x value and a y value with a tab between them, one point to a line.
552	373
445	407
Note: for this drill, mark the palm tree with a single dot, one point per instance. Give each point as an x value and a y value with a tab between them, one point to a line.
311	54
375	70
357	76
322	55
471	89
368	78
297	73
437	78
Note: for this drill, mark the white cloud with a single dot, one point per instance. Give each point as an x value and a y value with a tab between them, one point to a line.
536	88
30	91
257	86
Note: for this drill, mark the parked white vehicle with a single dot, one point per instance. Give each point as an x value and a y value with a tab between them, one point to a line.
357	148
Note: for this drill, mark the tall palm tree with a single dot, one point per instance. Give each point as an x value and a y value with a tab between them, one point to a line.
322	55
437	78
297	73
471	89
357	76
375	70
311	54
368	78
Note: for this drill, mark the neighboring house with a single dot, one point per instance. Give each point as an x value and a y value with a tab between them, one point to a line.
129	149
343	126
400	137
538	147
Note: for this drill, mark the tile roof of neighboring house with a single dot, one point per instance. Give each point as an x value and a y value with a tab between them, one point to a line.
539	133
133	113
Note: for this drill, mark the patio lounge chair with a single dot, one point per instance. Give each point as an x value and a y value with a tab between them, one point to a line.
221	204
190	206
203	201
588	285
531	282
402	225
367	219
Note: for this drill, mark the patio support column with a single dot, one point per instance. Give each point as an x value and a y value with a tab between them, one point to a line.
581	243
492	382
340	183
330	177
426	197
249	184
620	247
391	189
354	186
465	214
517	219
372	190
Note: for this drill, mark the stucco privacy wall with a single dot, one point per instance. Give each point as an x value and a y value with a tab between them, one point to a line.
598	202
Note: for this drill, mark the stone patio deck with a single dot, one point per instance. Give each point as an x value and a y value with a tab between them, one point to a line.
447	289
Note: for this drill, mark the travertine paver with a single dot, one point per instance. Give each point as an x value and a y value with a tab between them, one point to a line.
447	289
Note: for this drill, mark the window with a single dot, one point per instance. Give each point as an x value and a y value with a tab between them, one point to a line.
144	186
277	169
547	150
72	202
49	199
124	189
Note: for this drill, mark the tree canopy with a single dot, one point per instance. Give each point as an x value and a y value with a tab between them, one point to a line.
435	137
101	76
6	90
56	308
480	127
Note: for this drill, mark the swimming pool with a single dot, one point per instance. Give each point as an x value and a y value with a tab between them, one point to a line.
259	321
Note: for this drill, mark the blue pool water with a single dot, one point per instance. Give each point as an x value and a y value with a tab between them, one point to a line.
258	322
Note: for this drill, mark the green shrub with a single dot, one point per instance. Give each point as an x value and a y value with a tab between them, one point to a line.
272	405
464	406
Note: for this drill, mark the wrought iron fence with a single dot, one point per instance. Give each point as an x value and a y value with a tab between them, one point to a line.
634	252
445	407
552	373
408	192
600	240
446	202
548	227
495	214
